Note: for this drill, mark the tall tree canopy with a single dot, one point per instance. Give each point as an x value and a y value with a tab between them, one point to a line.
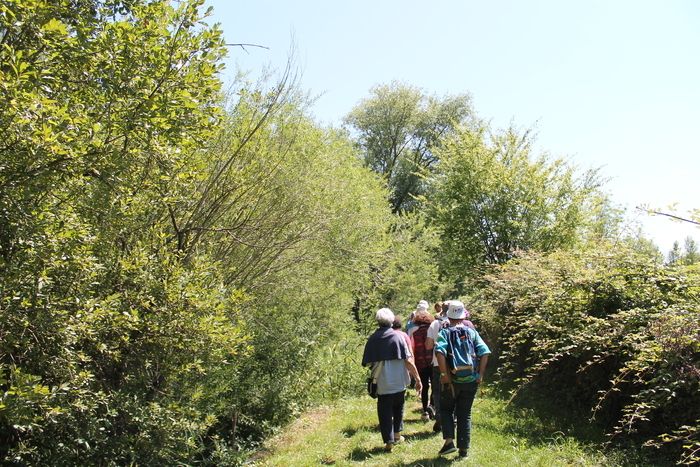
398	129
491	199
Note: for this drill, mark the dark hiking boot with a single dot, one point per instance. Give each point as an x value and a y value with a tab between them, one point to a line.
447	448
463	453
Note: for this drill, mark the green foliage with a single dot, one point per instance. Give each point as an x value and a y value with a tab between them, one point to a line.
403	273
306	220
490	200
606	330
688	256
398	130
169	267
691	254
105	334
674	256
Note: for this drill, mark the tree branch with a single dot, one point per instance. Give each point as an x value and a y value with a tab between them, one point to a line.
243	46
672	216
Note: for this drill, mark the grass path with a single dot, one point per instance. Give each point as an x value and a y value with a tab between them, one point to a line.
347	433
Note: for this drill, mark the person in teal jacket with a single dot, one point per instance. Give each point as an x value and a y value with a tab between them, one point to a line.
458	393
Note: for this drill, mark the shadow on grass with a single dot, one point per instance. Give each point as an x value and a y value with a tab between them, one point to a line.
539	425
418	421
422	435
350	431
540	422
536	429
359	455
429	461
362	454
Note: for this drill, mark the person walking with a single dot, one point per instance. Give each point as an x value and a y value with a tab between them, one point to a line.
387	352
397	326
423	358
436	326
422	305
462	357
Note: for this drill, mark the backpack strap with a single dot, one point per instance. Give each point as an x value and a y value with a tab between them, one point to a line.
450	348
452	336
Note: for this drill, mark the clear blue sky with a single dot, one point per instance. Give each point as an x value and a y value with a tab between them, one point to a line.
609	84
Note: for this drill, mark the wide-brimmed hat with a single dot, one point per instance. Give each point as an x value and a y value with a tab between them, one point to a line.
456	310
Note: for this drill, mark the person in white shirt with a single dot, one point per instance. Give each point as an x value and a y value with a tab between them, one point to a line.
440	322
388	348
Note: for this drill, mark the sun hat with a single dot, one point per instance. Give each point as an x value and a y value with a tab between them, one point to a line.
422	305
456	310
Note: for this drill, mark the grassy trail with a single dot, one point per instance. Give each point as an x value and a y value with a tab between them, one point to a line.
347	433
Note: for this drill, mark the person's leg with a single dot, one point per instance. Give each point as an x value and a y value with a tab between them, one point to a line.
436	397
425	375
465	399
447	407
384	412
397	413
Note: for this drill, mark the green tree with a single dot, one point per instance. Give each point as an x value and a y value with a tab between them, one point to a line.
106	332
292	217
675	255
490	199
398	129
690	251
402	273
643	246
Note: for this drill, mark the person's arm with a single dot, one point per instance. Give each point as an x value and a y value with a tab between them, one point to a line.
445	376
413	371
483	351
483	360
430	337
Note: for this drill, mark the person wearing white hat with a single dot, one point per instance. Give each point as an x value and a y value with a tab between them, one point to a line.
462	357
422	306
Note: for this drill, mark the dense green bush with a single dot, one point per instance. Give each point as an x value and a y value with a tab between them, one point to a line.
312	219
103	328
173	271
402	273
607	330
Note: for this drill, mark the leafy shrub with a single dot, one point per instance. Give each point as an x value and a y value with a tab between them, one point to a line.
606	330
171	271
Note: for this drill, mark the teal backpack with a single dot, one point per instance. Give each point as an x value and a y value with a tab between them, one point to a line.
461	355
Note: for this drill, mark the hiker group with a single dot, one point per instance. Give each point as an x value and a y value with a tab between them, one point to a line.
443	355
